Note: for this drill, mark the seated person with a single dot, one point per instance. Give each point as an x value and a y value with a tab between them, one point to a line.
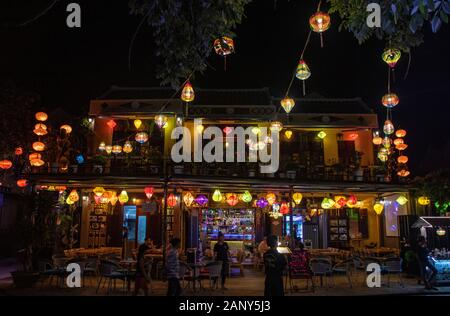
299	261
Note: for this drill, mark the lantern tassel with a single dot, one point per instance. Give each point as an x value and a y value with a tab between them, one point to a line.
225	63
321	40
304	88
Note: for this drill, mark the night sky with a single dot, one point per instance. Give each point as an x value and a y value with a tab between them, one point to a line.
68	67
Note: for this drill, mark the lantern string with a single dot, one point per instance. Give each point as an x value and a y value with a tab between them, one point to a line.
389	80
409	65
40	14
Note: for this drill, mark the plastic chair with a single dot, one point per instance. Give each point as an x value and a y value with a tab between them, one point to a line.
213	274
393	266
111	272
321	267
344	268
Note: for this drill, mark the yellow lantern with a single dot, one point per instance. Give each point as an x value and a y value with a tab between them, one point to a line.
217	196
69	201
37	162
102	146
303	71
137	123
161	120
423	200
387	142
246	197
322	135
73	196
187	94
377	140
327	203
320	22
388	127
116	149
188	199
113	198
402	159
41	116
98	191
271	198
400	133
402	200
390	100
127	148
378	207
288	134
38	146
287	104
108	149
391	56
297	197
123	197
66	128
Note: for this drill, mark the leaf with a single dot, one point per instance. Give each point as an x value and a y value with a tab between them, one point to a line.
446	7
436	23
443	16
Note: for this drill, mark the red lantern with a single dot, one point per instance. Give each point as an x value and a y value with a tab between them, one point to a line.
172	200
284	208
22	183
5	164
18	151
148	192
232	199
111	123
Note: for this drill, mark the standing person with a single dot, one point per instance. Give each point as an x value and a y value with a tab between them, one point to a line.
142	275
274	264
173	268
422	253
263	247
222	253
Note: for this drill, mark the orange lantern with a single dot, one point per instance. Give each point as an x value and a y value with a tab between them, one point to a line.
34	156
403	173
21	183
66	128
73	196
377	140
111	124
271	198
40	129
402	159
5	164
187	94
398	141
37	162
401	147
41	116
38	146
320	22
171	200
400	133
18	151
390	100
353	136
232	199
287	104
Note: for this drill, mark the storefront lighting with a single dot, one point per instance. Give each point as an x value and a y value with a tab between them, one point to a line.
188	199
440	232
246	197
217	196
322	135
137	124
288	134
402	200
423	200
297	197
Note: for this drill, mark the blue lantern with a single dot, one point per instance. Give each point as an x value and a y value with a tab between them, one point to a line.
80	159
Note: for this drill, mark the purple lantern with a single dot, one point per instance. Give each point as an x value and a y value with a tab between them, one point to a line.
201	200
262	203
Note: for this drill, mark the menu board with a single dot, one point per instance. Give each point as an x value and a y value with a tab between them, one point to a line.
98	217
338	228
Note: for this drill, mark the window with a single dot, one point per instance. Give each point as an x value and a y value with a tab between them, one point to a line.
129	220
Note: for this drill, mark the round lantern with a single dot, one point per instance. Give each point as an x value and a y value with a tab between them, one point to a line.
246	197
402	200
66	128
137	123
161	120
232	199
276	126
284	208
327	203
400	133
288	134
171	200
352	201
377	140
378	207
287	104
98	191
383	154
123	197
108	149
402	159
217	196
388	127
387	142
127	147
403	173
391	56
37	162
401	147
423	200
340	200
188	199
398	141
148	192
262	203
40	130
297	197
21	183
18	151
73	196
320	22
187	94
102	146
271	198
303	71
440	232
224	46
69	201
116	149
111	124
201	200
34	156
38	146
141	137
41	116
5	164
390	100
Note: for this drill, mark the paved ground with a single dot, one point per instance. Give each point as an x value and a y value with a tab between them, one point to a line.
252	284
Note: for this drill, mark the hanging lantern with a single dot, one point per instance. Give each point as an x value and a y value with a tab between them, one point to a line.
188	199
383	154
60	188
21	183
391	56
401	147
227	130
79	158
276	126
423	200
398	141
38	146
402	159
148	192
322	135
116	149
187	94
201	200
171	200
108	149
287	104
137	123
377	140
111	124
262	203
387	142
5	164
123	197
340	200
34	156
327	203
141	137
320	22
161	120
37	162
303	71
378	207
224	46
388	127
18	151
232	199
297	197
353	136
105	198
217	196
390	100
402	200
102	146
246	197
271	198
288	134
403	173
73	196
440	232
98	191
40	129
41	116
127	147
284	208
66	128
69	201
400	133
113	198
352	201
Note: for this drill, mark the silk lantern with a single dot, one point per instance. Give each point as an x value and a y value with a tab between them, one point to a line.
297	197
148	192
5	164
217	196
391	56
171	200
187	94
123	197
423	200
41	116
287	104
141	137
232	199
188	199
390	100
